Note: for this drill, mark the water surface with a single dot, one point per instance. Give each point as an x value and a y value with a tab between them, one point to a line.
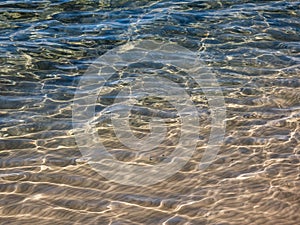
253	47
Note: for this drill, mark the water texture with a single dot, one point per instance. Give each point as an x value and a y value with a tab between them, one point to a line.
253	48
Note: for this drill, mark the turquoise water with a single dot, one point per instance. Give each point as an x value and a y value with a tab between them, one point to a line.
252	48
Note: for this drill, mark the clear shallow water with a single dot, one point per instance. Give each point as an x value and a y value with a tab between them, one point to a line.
252	47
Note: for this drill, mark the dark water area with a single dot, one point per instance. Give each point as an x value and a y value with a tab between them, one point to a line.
252	48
